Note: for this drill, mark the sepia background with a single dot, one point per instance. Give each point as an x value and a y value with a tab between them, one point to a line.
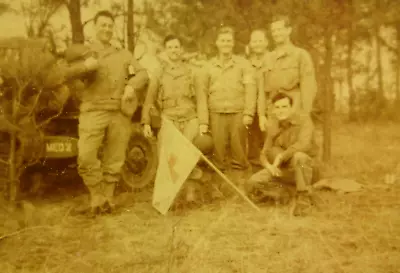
355	45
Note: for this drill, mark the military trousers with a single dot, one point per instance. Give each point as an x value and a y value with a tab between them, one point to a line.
110	130
228	131
255	142
298	171
189	128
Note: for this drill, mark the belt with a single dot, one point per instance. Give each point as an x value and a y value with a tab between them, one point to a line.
169	103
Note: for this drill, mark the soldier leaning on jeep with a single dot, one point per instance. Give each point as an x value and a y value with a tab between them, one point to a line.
107	105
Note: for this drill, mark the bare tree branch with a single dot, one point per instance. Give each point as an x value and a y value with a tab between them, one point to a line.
388	46
5	162
45	21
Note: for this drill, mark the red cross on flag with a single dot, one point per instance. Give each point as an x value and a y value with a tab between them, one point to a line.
177	158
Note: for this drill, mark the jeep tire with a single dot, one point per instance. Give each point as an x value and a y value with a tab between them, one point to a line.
141	162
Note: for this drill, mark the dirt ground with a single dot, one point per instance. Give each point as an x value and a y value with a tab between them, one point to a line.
354	232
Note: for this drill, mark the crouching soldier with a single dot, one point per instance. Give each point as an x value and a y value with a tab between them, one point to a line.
288	153
104	116
175	89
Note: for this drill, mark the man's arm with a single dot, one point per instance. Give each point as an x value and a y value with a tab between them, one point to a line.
304	139
200	84
141	77
272	132
151	95
250	86
61	72
308	82
261	99
266	147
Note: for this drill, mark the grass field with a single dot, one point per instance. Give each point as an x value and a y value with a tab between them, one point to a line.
355	232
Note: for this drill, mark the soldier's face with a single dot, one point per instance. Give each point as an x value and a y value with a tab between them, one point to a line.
104	29
173	49
282	109
225	43
280	32
258	42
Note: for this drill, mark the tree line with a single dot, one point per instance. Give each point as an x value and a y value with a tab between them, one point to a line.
355	44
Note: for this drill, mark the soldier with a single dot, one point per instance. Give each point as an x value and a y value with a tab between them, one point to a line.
175	88
289	152
107	104
257	57
231	89
289	69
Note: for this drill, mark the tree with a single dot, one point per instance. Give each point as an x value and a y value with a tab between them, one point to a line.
130	27
33	93
38	14
75	18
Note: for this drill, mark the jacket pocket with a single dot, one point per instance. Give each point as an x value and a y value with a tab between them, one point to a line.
290	76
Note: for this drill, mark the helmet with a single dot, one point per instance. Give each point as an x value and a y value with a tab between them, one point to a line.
204	143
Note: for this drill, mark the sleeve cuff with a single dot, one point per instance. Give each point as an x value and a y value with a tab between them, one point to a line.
286	155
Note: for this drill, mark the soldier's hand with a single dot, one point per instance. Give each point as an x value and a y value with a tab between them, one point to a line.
91	63
203	129
129	93
247	120
275	171
263	121
147	131
278	160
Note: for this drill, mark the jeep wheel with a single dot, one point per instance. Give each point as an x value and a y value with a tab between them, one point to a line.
141	162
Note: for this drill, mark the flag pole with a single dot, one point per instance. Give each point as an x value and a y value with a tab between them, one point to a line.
229	182
216	169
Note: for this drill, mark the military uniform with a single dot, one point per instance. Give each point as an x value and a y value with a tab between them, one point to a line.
294	140
101	117
175	89
289	70
256	136
231	92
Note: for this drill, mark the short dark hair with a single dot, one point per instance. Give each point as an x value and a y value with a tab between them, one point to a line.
103	13
225	30
281	96
170	38
282	17
263	31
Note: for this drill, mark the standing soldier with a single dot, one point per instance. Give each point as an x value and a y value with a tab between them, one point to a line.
289	69
176	90
106	108
230	84
257	57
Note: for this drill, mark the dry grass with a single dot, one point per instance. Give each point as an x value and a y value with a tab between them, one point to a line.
357	233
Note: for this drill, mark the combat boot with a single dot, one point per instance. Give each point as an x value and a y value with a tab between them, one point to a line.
303	203
97	198
94	204
109	205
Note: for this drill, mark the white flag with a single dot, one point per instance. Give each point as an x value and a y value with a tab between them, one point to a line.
177	158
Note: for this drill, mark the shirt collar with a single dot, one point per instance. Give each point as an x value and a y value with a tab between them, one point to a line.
293	119
257	61
284	51
217	62
177	68
100	47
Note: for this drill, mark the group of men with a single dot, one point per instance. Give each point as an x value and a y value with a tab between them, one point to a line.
258	108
